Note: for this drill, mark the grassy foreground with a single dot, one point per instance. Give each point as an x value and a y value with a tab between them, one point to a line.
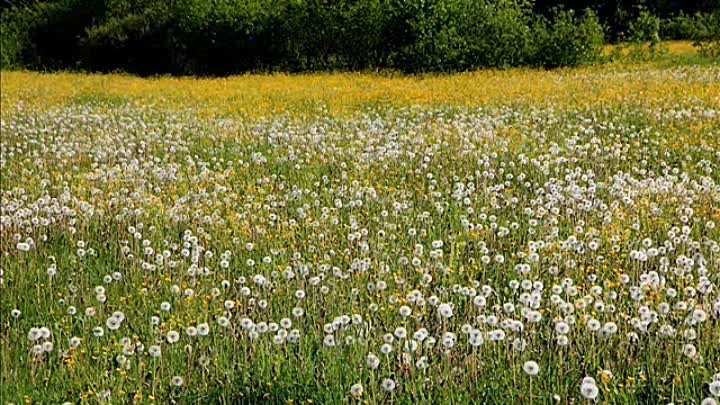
499	237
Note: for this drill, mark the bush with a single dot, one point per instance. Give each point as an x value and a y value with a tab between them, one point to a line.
230	35
53	32
466	34
226	36
645	28
678	27
14	27
219	37
687	27
135	42
707	34
567	40
644	35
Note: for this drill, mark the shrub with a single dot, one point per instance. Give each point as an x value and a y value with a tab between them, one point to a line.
707	34
466	34
644	35
645	28
228	36
135	42
680	26
13	36
567	40
54	30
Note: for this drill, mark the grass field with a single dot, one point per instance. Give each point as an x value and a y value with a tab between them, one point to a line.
498	237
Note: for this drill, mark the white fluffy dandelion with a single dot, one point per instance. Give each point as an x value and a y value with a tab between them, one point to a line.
388	385
356	390
531	368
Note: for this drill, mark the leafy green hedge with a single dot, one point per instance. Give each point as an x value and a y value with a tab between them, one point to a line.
695	26
218	37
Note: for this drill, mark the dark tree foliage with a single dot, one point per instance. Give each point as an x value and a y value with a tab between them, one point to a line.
616	15
218	37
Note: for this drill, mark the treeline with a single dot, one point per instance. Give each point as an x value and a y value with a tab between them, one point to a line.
217	37
679	19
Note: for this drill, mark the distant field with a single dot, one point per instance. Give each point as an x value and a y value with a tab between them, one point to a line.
256	95
674	48
498	237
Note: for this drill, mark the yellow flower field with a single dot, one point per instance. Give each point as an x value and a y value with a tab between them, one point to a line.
264	95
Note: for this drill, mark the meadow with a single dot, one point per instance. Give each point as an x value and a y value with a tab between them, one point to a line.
497	237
